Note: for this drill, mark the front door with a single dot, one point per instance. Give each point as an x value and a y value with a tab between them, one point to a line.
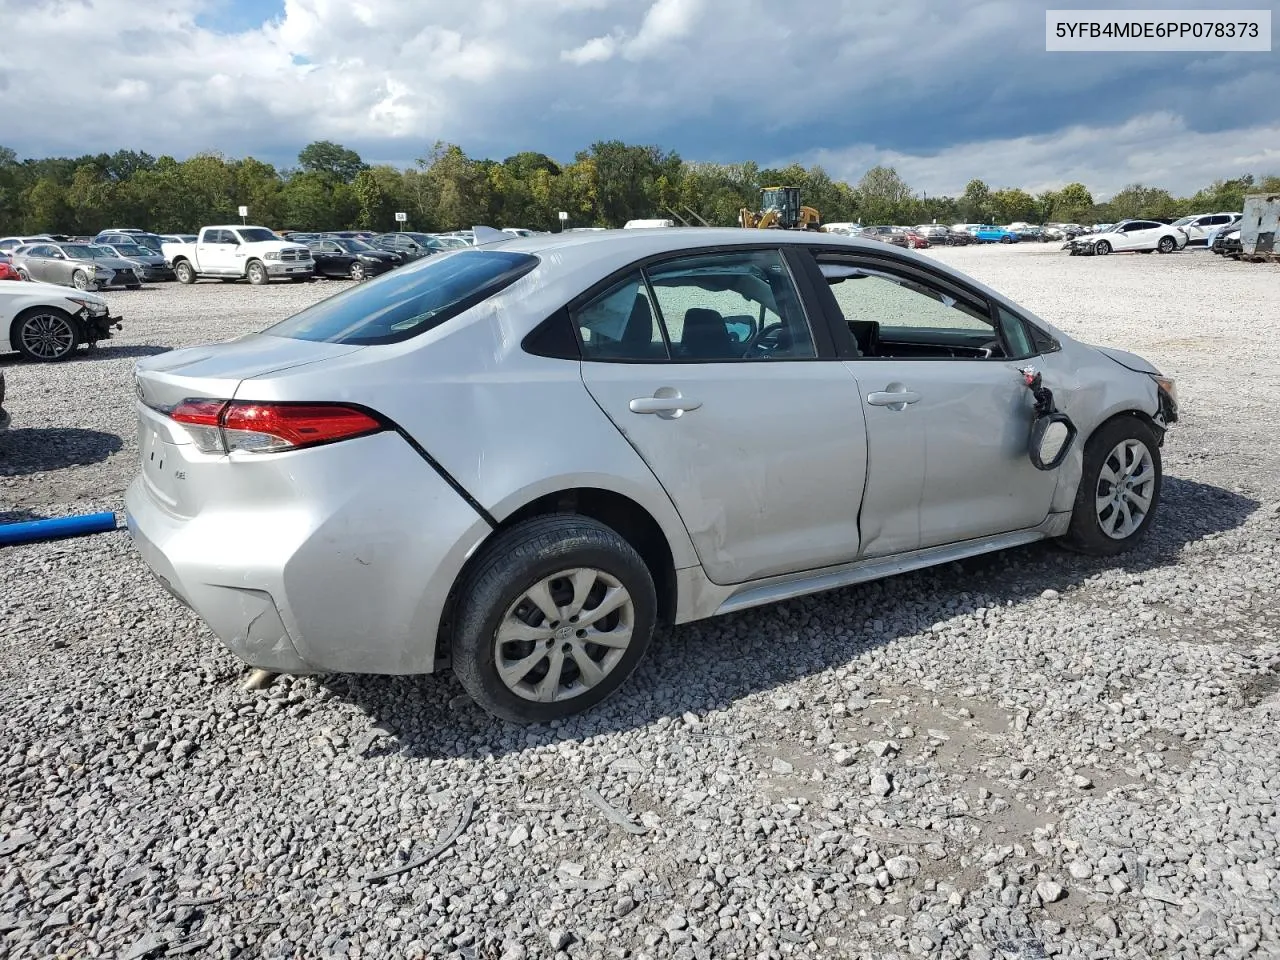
216	253
948	415
708	366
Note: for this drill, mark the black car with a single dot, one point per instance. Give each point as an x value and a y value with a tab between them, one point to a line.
410	245
348	258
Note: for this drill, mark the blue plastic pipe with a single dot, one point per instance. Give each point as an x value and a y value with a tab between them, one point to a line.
34	530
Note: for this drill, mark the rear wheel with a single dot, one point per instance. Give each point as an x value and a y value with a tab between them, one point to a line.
357	271
1006	239
256	273
184	272
555	616
1119	488
46	334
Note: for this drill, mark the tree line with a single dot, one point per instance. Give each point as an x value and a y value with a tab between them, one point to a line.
605	185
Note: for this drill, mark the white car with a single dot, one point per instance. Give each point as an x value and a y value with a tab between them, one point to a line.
238	252
10	244
1199	226
1140	236
44	321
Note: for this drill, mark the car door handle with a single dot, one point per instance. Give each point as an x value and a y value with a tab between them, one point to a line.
892	398
664	406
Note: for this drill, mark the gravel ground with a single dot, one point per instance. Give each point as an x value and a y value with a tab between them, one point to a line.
1026	755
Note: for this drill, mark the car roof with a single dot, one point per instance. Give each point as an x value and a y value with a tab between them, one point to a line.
635	244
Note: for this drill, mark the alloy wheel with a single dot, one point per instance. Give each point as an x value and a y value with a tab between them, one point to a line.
564	635
1126	487
47	336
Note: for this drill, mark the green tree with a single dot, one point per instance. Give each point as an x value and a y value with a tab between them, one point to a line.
883	196
332	160
1073	204
1013	205
46	209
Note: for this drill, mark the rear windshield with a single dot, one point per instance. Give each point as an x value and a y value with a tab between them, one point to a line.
408	301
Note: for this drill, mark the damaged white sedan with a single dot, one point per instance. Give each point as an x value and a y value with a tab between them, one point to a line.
517	458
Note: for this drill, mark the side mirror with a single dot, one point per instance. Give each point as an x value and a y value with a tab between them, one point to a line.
1052	435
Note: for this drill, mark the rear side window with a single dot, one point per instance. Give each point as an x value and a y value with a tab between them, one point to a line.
409	301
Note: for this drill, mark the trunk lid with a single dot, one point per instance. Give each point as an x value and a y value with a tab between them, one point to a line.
216	370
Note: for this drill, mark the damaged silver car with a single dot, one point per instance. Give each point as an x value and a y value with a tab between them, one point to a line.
518	458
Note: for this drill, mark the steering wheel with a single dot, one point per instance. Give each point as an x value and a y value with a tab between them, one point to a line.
765	341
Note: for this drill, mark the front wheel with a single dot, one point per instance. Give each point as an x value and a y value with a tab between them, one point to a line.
555	616
46	334
1102	248
256	273
80	280
1119	488
1166	245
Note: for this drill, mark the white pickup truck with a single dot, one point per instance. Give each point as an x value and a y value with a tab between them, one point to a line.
236	252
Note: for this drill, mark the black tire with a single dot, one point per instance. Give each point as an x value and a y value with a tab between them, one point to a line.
257	273
46	334
1102	248
511	565
184	272
1167	245
357	271
1006	239
1086	533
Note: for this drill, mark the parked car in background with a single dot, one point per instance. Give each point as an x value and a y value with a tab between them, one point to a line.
10	244
1198	226
1030	232
1062	231
915	239
84	266
147	263
234	251
450	242
140	238
885	234
699	374
409	244
43	321
843	229
7	270
526	232
940	235
349	234
992	233
969	228
1141	236
176	238
1227	241
351	259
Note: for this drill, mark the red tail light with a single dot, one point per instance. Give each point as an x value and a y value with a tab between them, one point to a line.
221	426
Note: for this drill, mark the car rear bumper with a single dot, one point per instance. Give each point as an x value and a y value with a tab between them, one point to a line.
334	559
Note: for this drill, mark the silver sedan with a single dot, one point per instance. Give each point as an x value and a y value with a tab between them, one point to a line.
516	459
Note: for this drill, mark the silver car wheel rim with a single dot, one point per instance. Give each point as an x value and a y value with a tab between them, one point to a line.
48	336
81	280
564	635
1126	486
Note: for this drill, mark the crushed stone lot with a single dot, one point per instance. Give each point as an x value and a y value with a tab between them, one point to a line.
1031	754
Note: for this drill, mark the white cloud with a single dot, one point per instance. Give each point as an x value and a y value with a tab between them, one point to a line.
596	50
1156	149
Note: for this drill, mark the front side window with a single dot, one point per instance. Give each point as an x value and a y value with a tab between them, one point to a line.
405	303
897	315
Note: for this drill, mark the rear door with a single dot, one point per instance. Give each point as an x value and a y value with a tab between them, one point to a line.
948	415
47	263
709	366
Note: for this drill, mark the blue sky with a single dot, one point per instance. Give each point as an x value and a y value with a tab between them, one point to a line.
946	90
